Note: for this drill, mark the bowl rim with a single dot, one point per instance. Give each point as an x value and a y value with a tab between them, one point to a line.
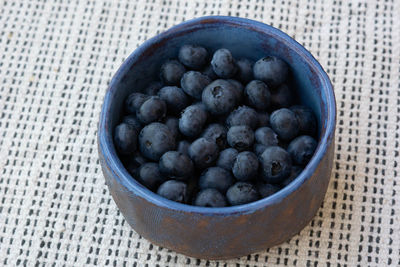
111	159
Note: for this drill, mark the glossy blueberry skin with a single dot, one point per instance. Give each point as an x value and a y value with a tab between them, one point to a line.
266	190
134	101
243	115
208	71
276	165
223	63
152	110
193	83
240	137
271	70
263	119
149	175
173	125
227	158
125	139
171	72
257	95
203	153
285	124
306	119
238	89
245	70
296	170
266	136
176	165
210	198
153	88
192	120
282	97
132	121
175	99
219	97
155	139
245	167
259	149
217	133
193	56
242	193
217	178
173	190
183	147
301	149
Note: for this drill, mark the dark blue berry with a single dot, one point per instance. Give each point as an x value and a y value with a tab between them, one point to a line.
183	147
216	133
257	95
223	63
153	109
153	88
155	139
192	56
217	178
284	123
172	72
134	102
210	198
296	170
245	167
227	158
173	125
208	71
238	89
193	83
192	120
176	165
266	136
132	121
263	119
276	164
175	98
271	70
240	137
301	149
242	193
259	149
245	70
173	190
281	97
125	139
243	115
306	119
150	176
219	97
266	190
133	162
203	153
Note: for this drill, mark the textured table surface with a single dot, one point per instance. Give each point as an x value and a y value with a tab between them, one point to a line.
56	59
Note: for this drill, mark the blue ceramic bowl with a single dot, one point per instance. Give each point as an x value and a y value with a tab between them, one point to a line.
220	233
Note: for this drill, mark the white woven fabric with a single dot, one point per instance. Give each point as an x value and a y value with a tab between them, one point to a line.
56	59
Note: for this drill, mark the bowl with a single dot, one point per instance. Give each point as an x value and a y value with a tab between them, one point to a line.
220	233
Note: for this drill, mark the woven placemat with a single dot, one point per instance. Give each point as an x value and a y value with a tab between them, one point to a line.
56	60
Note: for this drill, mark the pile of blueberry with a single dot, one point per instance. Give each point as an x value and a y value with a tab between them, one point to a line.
203	134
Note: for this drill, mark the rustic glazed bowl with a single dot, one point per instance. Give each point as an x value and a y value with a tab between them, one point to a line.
220	233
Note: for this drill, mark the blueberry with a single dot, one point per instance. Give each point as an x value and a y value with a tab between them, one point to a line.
266	136
238	89
306	119
133	162
155	139
276	164
172	72
192	56
245	167
284	122
226	158
281	97
263	119
150	176
266	190
173	125
153	88
210	198
242	193
183	147
153	109
192	120
301	149
173	190
243	115
245	70
132	121
219	97
193	83
216	133
257	95
296	170
125	139
240	137
271	70
223	63
203	153
176	165
175	98
134	101
217	178
259	149
208	71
